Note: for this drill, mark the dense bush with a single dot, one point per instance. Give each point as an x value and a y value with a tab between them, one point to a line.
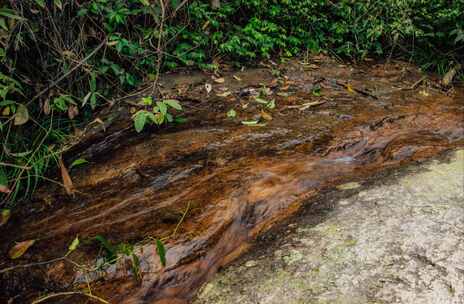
60	59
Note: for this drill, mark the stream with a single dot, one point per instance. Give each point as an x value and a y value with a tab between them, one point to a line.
211	186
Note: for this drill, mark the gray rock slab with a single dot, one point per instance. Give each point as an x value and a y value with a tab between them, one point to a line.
398	241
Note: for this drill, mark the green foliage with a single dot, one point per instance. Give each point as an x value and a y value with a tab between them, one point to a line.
158	114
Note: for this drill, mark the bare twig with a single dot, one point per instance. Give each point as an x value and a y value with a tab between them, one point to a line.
54	83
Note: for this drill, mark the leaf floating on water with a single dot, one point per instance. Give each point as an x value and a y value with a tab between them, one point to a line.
4	216
161	251
67	182
21	116
19	249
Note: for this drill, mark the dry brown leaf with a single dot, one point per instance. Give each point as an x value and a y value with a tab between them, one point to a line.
266	116
4	189
73	111
46	107
20	248
67	182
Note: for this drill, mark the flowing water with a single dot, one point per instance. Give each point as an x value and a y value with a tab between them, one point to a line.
213	185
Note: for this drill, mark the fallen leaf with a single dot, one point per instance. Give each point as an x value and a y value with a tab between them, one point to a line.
349	186
161	251
21	116
349	88
237	78
253	123
424	93
266	116
224	94
219	80
4	216
208	87
20	248
73	245
231	113
67	182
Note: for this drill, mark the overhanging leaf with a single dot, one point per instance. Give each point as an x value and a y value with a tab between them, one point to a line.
20	248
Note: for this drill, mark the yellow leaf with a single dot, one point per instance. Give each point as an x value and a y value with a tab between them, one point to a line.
20	248
67	182
266	116
6	111
349	88
4	216
21	116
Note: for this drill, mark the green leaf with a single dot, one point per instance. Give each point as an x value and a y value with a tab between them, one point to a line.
271	104
231	113
262	101
162	107
110	250
173	104
40	3
78	162
58	4
74	244
139	121
161	251
147	101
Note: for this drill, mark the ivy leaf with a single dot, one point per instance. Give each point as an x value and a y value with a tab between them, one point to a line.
21	116
20	248
173	104
161	251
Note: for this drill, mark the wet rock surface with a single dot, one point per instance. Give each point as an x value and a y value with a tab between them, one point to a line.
212	186
400	240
